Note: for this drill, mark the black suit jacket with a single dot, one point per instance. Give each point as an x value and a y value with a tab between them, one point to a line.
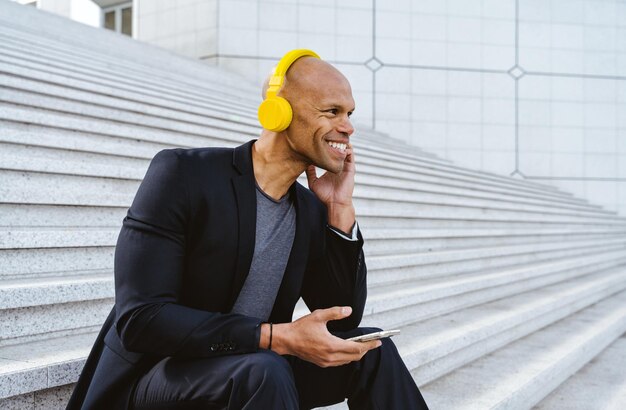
182	257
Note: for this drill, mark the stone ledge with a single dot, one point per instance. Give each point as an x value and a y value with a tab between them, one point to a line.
40	365
544	359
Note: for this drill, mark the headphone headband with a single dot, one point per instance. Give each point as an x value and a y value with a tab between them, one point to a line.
278	76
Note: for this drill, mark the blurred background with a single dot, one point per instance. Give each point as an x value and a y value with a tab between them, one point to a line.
531	88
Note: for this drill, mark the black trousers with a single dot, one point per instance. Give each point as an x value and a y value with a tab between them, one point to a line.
266	380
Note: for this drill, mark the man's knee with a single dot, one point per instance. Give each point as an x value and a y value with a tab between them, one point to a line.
267	373
267	365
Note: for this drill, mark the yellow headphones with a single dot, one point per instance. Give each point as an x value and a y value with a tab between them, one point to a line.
275	112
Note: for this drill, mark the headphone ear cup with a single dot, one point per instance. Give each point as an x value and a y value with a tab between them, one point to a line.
275	114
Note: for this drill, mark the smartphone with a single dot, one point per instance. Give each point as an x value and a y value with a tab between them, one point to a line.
375	335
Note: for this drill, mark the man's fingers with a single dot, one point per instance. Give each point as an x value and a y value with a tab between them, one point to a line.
372	344
334	313
349	347
364	347
352	351
311	174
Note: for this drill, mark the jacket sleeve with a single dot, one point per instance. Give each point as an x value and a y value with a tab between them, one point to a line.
149	267
336	276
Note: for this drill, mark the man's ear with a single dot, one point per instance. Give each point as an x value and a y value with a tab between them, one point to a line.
266	83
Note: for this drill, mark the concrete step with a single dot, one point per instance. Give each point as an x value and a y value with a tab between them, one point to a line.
54	261
375	175
158	135
61	189
77	191
382	173
394	305
382	272
371	175
81	285
384	262
19	48
525	371
155	62
218	114
438	346
30	72
600	384
418	299
54	398
374	137
36	90
59	215
51	306
377	214
34	323
69	122
375	219
37	237
80	143
29	367
408	240
62	104
62	215
54	102
186	111
16	157
381	193
418	171
76	160
423	177
16	55
402	296
379	241
399	304
17	293
26	365
58	51
39	252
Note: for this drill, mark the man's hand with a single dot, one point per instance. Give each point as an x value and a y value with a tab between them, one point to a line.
309	339
335	191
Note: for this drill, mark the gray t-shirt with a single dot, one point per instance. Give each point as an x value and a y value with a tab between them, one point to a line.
275	231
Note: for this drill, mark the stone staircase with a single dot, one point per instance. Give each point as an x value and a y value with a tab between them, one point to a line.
504	289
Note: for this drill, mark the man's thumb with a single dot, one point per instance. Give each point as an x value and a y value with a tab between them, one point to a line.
337	312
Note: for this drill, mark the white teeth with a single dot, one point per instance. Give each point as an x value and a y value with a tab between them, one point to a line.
337	145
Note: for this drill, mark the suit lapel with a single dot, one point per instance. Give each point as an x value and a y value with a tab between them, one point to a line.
245	195
294	272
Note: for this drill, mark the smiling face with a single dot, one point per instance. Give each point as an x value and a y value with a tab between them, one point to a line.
321	99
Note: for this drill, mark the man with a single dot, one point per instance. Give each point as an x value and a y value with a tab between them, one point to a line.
216	249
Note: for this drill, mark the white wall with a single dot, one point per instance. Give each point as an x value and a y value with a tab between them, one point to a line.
188	27
535	88
84	11
60	7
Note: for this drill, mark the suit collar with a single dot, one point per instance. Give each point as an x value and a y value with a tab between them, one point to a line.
242	158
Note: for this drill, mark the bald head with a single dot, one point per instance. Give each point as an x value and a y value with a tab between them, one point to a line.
308	75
